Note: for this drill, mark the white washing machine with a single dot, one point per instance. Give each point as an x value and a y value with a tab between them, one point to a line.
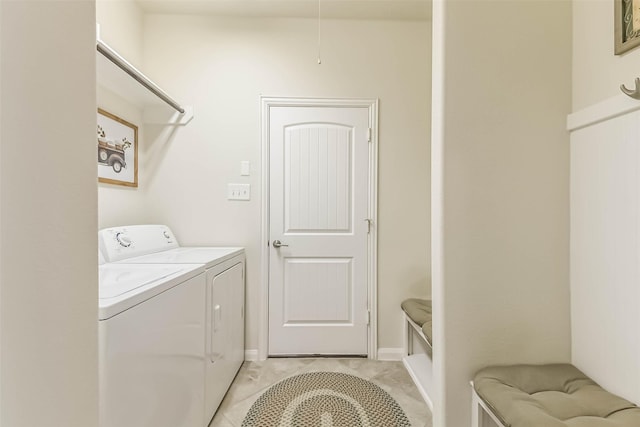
151	321
224	295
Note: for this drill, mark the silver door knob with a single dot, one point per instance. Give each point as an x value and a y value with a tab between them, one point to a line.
278	243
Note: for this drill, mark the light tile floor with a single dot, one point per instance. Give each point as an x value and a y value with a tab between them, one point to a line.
255	378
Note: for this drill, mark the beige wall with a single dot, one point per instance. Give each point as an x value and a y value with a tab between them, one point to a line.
500	196
597	72
222	66
48	269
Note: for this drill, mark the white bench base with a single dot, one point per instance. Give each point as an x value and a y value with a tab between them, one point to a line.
417	359
420	370
481	415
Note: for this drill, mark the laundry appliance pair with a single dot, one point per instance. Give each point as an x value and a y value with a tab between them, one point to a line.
171	327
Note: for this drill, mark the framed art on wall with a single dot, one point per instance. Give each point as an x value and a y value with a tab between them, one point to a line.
117	150
627	25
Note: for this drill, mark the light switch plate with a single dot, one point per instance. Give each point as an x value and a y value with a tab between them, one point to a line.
245	167
238	191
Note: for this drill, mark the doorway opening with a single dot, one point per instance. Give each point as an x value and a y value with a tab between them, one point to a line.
319	221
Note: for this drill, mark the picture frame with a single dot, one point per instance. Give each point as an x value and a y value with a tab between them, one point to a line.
117	150
626	25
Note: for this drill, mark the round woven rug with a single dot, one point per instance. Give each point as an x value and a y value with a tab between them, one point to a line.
325	399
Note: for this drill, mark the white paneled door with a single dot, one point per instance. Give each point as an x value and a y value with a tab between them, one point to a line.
318	212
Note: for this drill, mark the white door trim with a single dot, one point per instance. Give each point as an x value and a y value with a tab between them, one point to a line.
372	241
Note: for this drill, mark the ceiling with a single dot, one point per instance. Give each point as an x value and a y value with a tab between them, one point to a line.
330	9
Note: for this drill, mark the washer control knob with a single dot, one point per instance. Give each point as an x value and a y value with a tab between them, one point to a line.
166	234
124	240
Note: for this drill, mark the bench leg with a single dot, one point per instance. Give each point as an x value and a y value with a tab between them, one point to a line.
479	415
406	342
476	412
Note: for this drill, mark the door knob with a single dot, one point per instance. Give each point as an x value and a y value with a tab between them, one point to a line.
278	243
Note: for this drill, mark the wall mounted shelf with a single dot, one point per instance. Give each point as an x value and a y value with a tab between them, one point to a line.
121	77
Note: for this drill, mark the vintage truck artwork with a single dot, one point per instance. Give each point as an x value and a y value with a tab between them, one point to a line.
117	144
111	153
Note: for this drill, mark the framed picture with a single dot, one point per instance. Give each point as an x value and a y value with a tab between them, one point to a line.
627	25
117	150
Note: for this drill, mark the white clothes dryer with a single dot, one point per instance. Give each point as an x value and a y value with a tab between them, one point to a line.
224	295
151	321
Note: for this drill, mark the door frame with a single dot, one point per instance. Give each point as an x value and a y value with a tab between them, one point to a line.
266	103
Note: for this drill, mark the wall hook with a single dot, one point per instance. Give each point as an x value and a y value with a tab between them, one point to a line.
635	93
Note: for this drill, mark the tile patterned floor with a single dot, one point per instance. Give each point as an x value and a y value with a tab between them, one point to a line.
255	377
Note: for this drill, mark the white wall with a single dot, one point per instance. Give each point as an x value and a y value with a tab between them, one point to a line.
222	66
48	211
604	208
120	205
1	98
502	89
597	72
605	248
121	28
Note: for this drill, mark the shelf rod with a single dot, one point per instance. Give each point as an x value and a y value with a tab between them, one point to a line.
132	71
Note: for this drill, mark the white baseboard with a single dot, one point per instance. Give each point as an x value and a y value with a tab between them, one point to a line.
251	355
384	354
390	354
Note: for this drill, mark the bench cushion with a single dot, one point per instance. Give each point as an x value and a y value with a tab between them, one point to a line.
418	310
427	331
557	395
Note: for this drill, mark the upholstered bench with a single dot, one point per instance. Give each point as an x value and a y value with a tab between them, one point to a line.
418	344
419	311
557	395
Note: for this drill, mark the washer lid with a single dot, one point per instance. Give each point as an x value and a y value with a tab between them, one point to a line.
117	281
210	256
122	286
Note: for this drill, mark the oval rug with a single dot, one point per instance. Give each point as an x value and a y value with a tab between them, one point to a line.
325	399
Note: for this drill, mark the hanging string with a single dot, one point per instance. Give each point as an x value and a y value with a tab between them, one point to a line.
319	60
